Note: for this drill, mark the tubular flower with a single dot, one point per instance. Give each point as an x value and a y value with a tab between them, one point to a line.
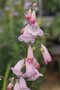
31	73
28	15
31	59
17	85
45	53
35	76
17	68
21	85
33	17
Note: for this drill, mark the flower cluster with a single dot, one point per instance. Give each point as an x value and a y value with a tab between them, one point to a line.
31	31
29	34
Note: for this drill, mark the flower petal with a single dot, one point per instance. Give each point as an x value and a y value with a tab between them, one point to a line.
23	84
33	17
28	15
31	72
26	36
35	76
17	86
31	59
30	52
36	64
17	68
45	53
40	32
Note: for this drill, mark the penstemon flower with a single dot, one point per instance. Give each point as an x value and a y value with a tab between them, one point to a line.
31	72
20	85
45	53
28	15
33	17
23	85
17	85
31	59
29	34
17	68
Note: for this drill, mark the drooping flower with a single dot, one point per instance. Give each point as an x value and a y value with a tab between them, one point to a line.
17	68
45	53
21	85
31	72
36	76
33	17
10	85
17	85
28	15
31	59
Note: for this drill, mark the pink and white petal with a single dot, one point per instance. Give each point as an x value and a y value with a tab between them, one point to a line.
40	32
28	15
29	69
36	64
35	76
33	17
26	38
23	84
30	52
17	73
35	25
17	68
17	86
31	59
46	55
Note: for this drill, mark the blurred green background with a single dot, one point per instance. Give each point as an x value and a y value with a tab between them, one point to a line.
12	18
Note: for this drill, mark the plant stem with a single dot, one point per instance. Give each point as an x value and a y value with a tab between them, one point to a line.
6	77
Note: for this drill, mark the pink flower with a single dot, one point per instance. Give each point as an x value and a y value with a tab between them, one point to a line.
28	15
35	76
36	32
31	59
39	32
21	85
45	53
31	73
26	36
10	85
35	24
17	68
17	85
33	17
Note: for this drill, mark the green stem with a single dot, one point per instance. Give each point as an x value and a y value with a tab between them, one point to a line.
6	77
